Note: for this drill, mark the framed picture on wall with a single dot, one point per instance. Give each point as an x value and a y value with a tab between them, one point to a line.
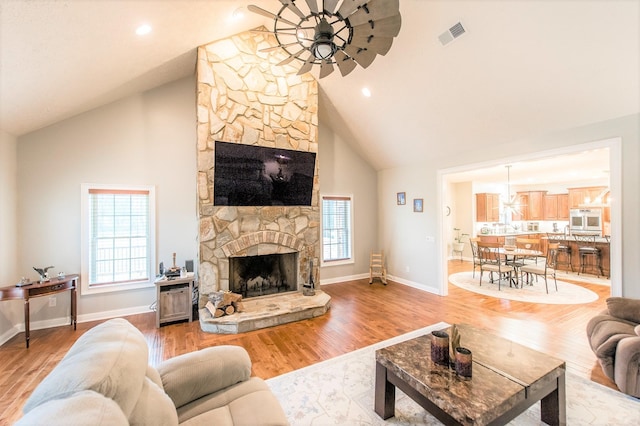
417	205
401	198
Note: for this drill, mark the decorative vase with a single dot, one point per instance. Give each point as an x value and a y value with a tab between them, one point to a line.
440	347
458	246
463	362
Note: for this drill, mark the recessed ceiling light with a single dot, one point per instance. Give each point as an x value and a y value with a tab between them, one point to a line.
237	14
143	29
366	92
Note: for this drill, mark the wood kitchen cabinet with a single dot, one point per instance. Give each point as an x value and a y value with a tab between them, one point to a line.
556	206
531	206
487	207
580	196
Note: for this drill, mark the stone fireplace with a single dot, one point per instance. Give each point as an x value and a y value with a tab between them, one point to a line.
252	276
244	97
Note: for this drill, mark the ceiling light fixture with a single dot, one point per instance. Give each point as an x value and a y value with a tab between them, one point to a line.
512	205
143	29
352	35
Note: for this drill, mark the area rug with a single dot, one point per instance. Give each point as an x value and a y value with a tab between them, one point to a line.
567	294
339	391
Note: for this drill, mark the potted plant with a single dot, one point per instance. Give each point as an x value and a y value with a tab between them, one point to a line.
458	244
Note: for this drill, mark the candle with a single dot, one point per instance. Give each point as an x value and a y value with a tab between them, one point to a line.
463	363
440	347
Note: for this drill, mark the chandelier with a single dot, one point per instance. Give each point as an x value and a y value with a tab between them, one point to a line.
512	204
315	33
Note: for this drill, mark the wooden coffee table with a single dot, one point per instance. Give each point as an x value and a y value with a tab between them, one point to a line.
507	379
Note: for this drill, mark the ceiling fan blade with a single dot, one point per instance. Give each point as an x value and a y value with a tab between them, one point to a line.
330	5
261	11
290	58
363	57
308	64
345	63
387	27
376	9
271	49
349	6
293	8
326	68
380	45
313	5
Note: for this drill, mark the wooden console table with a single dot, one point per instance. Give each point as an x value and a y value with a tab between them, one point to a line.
37	289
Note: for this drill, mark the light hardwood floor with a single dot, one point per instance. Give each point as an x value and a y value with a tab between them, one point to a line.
360	315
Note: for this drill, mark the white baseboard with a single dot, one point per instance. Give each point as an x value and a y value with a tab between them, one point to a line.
58	322
343	279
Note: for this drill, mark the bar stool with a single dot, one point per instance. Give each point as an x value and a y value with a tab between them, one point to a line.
563	250
589	254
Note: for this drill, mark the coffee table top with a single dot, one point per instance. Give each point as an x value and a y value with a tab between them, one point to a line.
504	374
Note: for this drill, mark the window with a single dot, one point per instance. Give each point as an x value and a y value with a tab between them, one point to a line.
118	243
337	235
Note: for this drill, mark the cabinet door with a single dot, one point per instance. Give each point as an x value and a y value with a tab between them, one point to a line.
536	205
563	206
576	197
521	213
481	207
550	207
493	207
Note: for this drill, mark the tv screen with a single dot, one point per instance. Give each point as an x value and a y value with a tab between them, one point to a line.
249	175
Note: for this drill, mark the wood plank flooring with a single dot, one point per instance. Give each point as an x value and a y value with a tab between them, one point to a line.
360	315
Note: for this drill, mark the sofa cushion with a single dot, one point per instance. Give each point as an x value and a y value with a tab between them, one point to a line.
625	308
190	376
247	404
154	407
110	359
80	409
637	329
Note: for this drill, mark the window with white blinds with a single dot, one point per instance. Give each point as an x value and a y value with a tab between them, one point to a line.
337	236
118	242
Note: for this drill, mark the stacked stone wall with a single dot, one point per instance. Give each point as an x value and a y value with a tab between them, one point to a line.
244	97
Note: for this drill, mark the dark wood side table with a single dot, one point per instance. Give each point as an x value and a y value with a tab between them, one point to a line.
37	289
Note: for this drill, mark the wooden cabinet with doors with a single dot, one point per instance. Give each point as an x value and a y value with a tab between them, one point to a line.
556	207
487	207
531	206
578	197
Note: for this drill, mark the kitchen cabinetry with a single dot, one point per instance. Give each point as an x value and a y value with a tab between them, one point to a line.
531	206
578	197
556	206
487	207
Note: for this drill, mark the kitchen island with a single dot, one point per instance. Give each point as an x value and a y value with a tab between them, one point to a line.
601	242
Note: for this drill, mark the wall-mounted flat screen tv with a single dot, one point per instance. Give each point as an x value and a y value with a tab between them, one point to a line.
249	175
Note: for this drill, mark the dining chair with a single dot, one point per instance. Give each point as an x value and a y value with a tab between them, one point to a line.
528	244
493	262
474	251
546	270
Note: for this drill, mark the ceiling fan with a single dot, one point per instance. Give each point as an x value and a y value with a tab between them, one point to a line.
321	33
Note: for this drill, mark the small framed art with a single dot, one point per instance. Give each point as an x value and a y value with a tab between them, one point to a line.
401	198
417	205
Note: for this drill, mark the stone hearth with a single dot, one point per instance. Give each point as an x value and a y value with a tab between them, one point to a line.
267	311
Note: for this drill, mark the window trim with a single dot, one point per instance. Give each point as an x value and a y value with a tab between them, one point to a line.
85	246
350	260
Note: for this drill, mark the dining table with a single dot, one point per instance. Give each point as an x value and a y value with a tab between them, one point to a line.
511	254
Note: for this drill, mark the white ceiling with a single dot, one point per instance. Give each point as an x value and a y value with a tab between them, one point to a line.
523	68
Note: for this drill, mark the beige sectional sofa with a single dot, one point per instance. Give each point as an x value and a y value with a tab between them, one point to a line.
614	336
105	379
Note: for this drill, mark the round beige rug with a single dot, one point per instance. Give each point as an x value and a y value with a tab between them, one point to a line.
567	294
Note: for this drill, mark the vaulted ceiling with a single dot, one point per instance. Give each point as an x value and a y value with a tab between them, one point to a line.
523	67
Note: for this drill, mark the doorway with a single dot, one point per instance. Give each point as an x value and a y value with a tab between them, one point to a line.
447	176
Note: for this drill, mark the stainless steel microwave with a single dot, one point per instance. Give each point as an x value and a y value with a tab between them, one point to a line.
586	220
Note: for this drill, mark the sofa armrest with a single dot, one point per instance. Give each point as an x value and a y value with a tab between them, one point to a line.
627	367
188	377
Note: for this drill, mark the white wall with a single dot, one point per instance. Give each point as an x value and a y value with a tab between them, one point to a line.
11	311
416	261
343	172
147	139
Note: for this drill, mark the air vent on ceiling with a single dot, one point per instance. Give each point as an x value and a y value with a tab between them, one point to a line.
451	34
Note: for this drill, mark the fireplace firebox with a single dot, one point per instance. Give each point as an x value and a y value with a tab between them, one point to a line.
253	276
